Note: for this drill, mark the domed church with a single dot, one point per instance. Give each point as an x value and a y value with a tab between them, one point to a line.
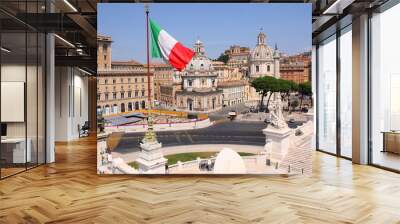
263	61
199	84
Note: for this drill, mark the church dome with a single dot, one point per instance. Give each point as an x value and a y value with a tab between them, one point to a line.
261	52
200	61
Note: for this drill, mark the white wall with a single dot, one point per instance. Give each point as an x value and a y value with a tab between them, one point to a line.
71	102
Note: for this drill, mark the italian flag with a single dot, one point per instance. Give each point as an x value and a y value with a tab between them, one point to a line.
163	44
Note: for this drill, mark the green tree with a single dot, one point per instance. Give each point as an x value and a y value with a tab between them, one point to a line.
304	90
287	87
264	86
223	57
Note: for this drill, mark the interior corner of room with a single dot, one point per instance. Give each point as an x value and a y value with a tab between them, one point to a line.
45	80
358	82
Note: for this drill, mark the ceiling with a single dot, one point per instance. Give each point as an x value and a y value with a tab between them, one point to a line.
74	22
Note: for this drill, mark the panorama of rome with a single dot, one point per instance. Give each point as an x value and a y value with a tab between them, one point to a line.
247	111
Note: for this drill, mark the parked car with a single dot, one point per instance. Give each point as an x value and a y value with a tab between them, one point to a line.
232	115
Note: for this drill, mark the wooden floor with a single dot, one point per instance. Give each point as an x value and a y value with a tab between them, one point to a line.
70	191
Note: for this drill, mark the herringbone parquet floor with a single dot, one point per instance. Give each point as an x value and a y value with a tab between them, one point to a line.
70	191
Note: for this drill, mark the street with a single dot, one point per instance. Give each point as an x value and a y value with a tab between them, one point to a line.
225	132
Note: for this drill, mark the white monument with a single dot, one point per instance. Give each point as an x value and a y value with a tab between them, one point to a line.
229	162
151	159
277	134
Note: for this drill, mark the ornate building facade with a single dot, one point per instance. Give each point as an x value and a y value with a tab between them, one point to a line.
122	86
199	84
263	61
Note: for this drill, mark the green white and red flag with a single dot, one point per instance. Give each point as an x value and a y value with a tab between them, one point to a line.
165	46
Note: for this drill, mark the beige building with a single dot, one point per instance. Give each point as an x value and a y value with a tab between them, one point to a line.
227	73
163	77
238	56
122	86
233	92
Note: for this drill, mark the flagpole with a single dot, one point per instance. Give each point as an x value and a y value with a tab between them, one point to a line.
148	56
150	135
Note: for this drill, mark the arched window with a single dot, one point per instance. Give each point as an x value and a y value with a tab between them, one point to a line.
268	68
143	104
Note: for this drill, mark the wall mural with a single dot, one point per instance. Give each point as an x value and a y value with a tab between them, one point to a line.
204	91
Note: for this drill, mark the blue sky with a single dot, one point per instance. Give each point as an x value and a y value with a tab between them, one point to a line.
217	25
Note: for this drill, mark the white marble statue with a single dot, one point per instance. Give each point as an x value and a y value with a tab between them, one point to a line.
277	119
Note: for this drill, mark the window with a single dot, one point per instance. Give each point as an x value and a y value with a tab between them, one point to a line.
190	82
98	96
114	95
106	96
385	87
327	95
346	92
136	93
106	81
122	95
135	80
142	92
257	68
114	81
143	80
129	94
268	68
